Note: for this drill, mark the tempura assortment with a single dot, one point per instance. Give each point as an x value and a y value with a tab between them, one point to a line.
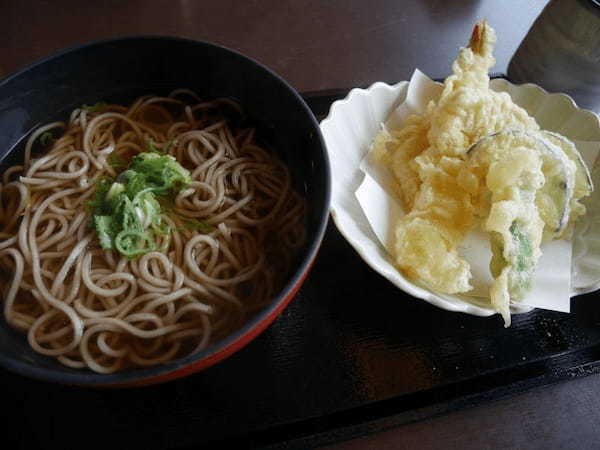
475	159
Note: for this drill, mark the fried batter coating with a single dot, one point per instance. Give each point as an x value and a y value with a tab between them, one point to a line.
427	155
445	195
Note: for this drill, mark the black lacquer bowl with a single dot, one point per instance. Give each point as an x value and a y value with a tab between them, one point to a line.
117	71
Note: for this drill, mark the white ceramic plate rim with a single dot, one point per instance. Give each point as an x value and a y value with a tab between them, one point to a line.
450	303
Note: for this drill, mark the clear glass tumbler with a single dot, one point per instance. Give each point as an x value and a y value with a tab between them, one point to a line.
561	52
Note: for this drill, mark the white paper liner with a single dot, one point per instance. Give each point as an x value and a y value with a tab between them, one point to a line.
551	287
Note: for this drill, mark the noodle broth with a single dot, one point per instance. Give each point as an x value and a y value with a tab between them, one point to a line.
235	232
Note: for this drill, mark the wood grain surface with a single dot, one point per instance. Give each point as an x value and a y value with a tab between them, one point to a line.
563	416
313	44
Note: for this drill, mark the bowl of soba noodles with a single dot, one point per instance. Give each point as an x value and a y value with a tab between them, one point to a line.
161	202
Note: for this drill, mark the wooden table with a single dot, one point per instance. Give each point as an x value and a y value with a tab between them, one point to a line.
314	45
318	45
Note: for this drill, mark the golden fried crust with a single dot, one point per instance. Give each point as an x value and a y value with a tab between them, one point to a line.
446	195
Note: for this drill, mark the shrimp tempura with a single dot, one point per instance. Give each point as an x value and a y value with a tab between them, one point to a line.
427	157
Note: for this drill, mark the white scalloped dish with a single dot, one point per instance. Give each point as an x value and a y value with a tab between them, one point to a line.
349	130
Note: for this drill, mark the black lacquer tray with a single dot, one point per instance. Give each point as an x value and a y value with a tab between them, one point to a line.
352	354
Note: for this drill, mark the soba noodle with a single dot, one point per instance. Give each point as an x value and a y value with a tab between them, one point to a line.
233	233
